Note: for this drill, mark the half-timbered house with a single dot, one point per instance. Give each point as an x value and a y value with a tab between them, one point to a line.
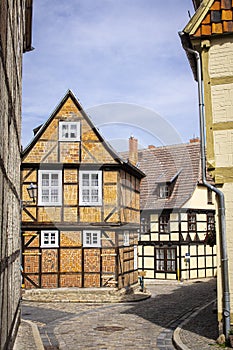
177	238
82	228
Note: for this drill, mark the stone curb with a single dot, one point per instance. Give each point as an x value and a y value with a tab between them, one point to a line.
36	335
176	334
84	296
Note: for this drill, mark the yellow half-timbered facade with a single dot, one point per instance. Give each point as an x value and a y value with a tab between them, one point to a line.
82	229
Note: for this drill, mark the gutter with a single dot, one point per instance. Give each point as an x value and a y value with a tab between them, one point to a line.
220	195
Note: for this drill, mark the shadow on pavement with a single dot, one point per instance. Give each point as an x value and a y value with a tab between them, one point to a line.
163	309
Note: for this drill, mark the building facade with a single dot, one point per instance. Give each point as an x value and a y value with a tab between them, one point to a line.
177	236
210	32
82	229
15	38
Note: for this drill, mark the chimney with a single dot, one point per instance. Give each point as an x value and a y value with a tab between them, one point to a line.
194	139
133	150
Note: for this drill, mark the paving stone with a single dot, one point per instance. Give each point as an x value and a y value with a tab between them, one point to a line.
147	324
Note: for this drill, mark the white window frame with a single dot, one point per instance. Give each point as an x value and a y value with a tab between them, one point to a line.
49	187
50	244
91	238
90	188
126	238
69	138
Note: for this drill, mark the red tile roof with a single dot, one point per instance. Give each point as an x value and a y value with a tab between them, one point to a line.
178	165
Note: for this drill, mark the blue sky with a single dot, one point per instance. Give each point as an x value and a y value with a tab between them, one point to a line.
124	62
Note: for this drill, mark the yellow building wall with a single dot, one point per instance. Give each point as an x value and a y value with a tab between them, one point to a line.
218	82
199	199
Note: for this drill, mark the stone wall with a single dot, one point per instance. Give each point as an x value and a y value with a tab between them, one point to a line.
12	19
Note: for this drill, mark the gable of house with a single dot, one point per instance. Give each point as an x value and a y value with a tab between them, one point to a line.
87	145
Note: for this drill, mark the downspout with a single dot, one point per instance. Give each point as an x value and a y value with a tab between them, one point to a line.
220	195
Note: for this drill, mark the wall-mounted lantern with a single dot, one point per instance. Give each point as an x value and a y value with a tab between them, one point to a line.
32	192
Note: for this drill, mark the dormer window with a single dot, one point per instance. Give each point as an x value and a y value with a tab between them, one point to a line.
69	131
163	191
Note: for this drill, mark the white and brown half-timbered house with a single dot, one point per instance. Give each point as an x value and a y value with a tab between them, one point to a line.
177	239
82	229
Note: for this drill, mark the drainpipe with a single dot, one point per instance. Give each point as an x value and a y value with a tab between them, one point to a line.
220	195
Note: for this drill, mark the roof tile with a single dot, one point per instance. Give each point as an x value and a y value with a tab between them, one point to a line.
215	16
161	164
226	15
216	6
217	28
206	20
226	4
228	26
206	29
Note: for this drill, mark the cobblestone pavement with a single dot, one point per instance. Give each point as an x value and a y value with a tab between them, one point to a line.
147	324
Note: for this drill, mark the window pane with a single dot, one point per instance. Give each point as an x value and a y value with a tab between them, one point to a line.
65	132
54	179
160	254
73	131
46	238
94	179
88	237
160	265
94	196
94	238
53	238
171	265
45	180
85	196
45	196
54	195
85	180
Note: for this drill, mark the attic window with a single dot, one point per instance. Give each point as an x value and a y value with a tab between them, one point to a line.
163	191
69	131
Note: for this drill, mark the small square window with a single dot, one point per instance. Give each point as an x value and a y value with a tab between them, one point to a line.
49	239
91	238
69	131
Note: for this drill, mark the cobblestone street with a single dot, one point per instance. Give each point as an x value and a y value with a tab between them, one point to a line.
147	324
